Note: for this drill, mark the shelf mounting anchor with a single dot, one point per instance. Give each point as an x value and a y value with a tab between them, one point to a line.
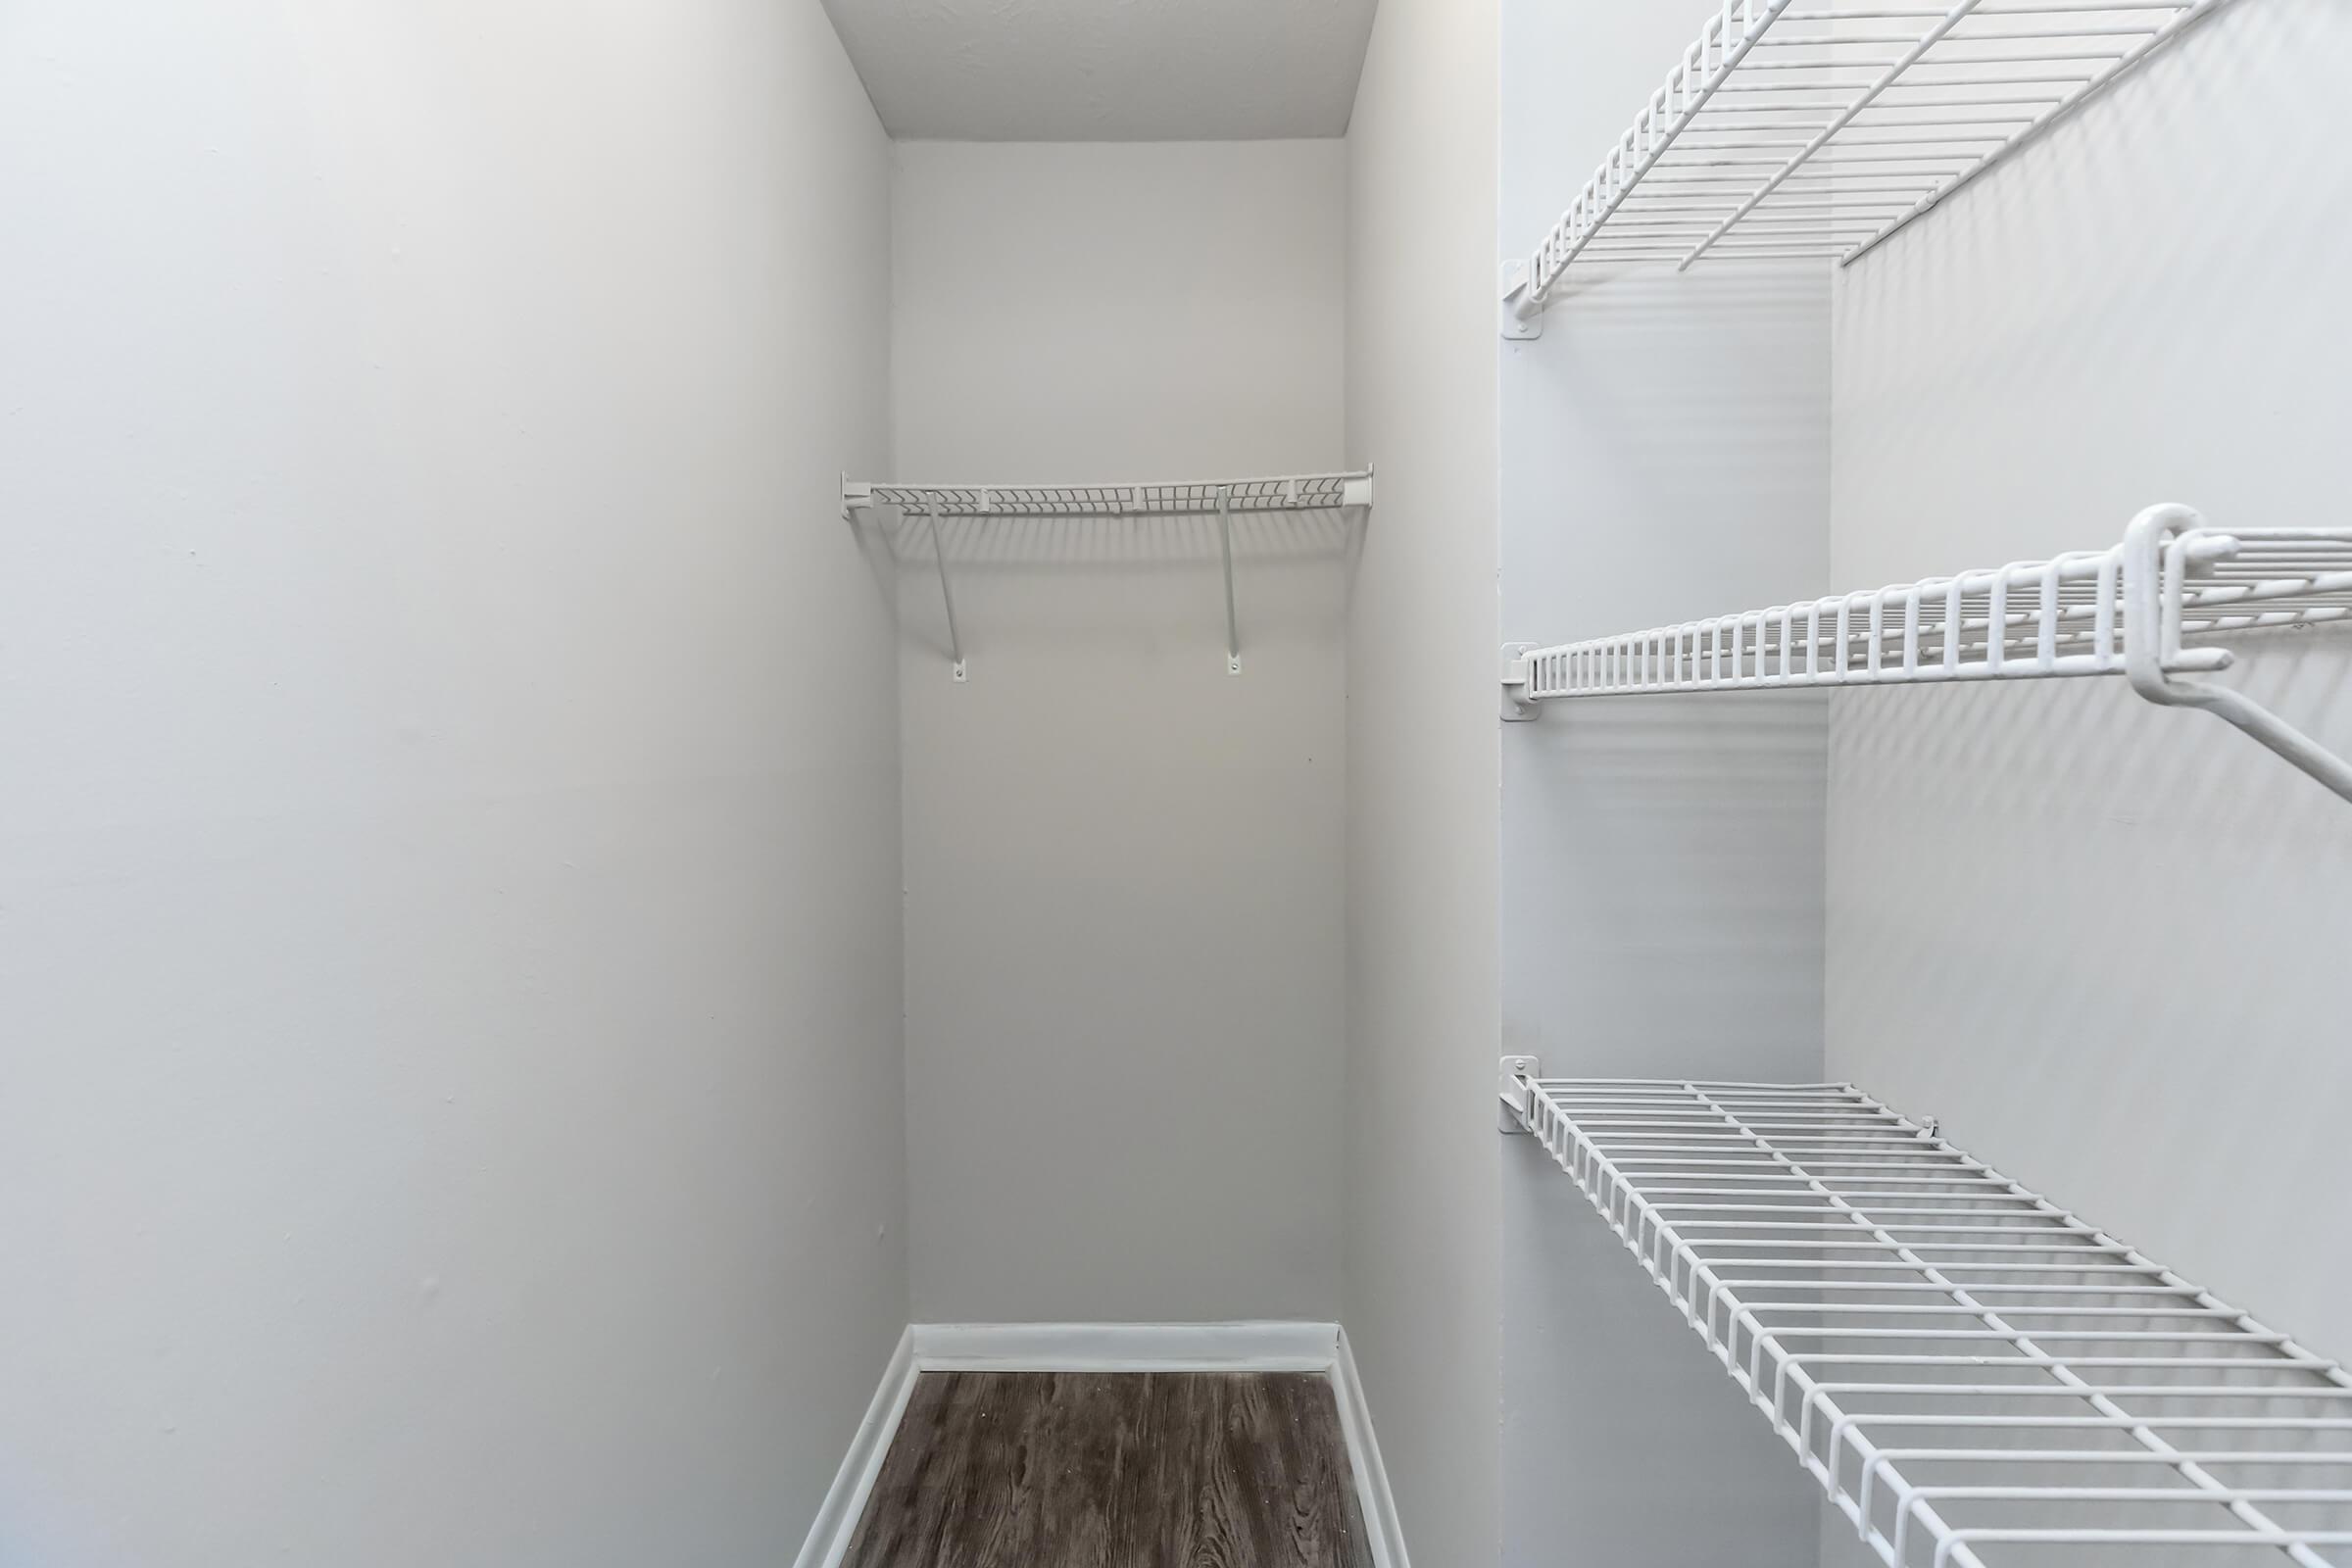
1517	706
947	595
1522	314
1233	634
1511	1105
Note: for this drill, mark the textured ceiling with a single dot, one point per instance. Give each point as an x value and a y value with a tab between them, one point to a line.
1108	69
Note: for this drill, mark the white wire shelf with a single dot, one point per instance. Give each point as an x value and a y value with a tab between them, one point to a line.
1821	128
1976	1377
2149	610
1221	498
1301	492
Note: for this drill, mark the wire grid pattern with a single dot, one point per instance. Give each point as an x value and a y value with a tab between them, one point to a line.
2071	616
1820	129
1290	493
1975	1376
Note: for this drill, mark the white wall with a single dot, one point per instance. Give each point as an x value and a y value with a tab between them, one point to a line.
2103	942
1124	874
1665	456
1421	1239
449	952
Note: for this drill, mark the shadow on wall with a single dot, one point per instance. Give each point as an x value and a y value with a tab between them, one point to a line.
2104	942
2077	755
1112	578
1666	445
2144	307
1680	845
1119	543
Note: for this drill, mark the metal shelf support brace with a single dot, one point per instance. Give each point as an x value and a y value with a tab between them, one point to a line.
1233	634
947	595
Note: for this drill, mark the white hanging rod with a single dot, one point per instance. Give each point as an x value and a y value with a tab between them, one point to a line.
1846	95
1975	1376
1218	498
2131	610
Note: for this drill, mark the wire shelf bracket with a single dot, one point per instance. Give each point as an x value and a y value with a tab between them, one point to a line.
2149	610
1220	498
1791	130
1975	1377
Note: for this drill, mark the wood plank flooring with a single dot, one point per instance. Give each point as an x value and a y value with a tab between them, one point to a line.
1114	1470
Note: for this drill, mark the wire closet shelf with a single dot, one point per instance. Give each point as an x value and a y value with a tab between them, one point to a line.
1821	128
1301	492
1221	498
2150	608
1976	1377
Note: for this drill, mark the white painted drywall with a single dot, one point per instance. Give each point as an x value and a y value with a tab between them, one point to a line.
1108	69
1422	1238
2101	940
449	944
1665	454
1124	873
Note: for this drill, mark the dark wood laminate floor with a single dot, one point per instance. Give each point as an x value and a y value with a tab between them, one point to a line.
1114	1470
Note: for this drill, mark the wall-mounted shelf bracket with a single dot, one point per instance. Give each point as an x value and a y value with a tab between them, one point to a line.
2151	609
946	594
1517	706
1514	1083
1522	312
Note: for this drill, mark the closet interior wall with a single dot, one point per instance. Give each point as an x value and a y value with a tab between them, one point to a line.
1125	873
1423	1235
2104	942
1665	454
449	846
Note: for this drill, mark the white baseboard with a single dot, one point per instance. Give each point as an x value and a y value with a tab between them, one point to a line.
844	1504
1125	1346
1107	1347
1386	1536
